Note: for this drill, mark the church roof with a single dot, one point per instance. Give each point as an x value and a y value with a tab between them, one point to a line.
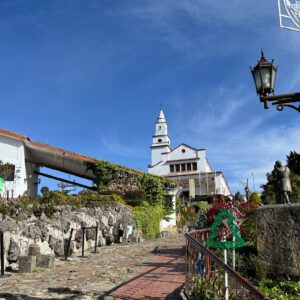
186	145
161	118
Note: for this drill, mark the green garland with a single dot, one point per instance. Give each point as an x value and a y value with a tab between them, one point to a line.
216	241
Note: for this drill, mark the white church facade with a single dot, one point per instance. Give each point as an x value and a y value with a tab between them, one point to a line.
184	163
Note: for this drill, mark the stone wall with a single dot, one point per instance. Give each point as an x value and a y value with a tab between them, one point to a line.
123	182
22	227
278	239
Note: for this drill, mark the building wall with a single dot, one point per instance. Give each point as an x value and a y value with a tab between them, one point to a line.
206	182
32	180
156	156
12	151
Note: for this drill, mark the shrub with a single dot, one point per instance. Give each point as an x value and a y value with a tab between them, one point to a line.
255	198
96	198
134	195
285	290
250	264
154	188
147	219
134	202
248	229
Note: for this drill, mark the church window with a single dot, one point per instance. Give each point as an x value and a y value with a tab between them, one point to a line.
177	168
159	128
159	140
194	166
183	150
189	166
171	168
183	167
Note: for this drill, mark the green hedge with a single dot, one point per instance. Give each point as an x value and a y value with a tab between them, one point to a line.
147	219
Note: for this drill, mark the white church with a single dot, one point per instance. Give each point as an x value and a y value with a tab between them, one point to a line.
184	163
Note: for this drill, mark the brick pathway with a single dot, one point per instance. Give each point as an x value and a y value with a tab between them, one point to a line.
160	278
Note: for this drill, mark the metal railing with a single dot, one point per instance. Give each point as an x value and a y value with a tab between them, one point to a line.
83	234
208	277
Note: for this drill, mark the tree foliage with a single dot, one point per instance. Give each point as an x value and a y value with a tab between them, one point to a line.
238	196
7	171
147	219
255	198
293	162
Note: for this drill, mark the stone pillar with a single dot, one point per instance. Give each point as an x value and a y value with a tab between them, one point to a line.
278	239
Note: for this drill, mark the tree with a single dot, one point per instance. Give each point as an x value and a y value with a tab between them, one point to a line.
293	162
255	198
238	196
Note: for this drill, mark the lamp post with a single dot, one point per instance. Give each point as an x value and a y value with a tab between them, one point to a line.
264	75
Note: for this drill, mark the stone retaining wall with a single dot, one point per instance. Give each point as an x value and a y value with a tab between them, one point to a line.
51	233
278	239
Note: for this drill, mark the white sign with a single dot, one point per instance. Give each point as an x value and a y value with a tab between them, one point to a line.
289	14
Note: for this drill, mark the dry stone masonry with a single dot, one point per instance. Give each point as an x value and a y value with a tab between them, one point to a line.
50	231
278	239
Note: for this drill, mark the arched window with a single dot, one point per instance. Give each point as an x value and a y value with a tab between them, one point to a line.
159	140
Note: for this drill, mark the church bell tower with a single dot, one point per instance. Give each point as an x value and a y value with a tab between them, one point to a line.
160	140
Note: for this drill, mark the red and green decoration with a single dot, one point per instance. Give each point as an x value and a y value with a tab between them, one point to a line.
1	184
223	231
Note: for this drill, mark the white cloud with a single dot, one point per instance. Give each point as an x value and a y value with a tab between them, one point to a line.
187	25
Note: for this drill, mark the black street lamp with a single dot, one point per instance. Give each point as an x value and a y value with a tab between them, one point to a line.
264	75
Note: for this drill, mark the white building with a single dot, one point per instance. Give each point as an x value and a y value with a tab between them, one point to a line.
27	157
187	164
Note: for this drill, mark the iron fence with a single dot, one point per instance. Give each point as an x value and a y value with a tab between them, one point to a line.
208	277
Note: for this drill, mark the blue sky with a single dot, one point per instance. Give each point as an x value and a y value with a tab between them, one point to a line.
89	76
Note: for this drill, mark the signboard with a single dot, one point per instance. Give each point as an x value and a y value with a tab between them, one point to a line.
289	14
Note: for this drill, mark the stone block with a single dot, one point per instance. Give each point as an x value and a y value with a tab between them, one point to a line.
27	264
45	261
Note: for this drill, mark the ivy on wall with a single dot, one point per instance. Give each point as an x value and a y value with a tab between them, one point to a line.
147	219
153	187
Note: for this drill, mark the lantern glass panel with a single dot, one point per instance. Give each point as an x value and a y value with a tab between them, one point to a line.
273	78
257	80
266	78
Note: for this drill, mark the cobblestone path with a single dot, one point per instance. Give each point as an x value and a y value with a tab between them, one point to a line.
92	277
161	278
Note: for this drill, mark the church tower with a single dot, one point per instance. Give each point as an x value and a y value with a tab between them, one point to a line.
160	140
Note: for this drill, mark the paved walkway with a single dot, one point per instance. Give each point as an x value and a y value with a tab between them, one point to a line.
161	278
93	277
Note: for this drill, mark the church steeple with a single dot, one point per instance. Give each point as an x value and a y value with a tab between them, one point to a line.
160	140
